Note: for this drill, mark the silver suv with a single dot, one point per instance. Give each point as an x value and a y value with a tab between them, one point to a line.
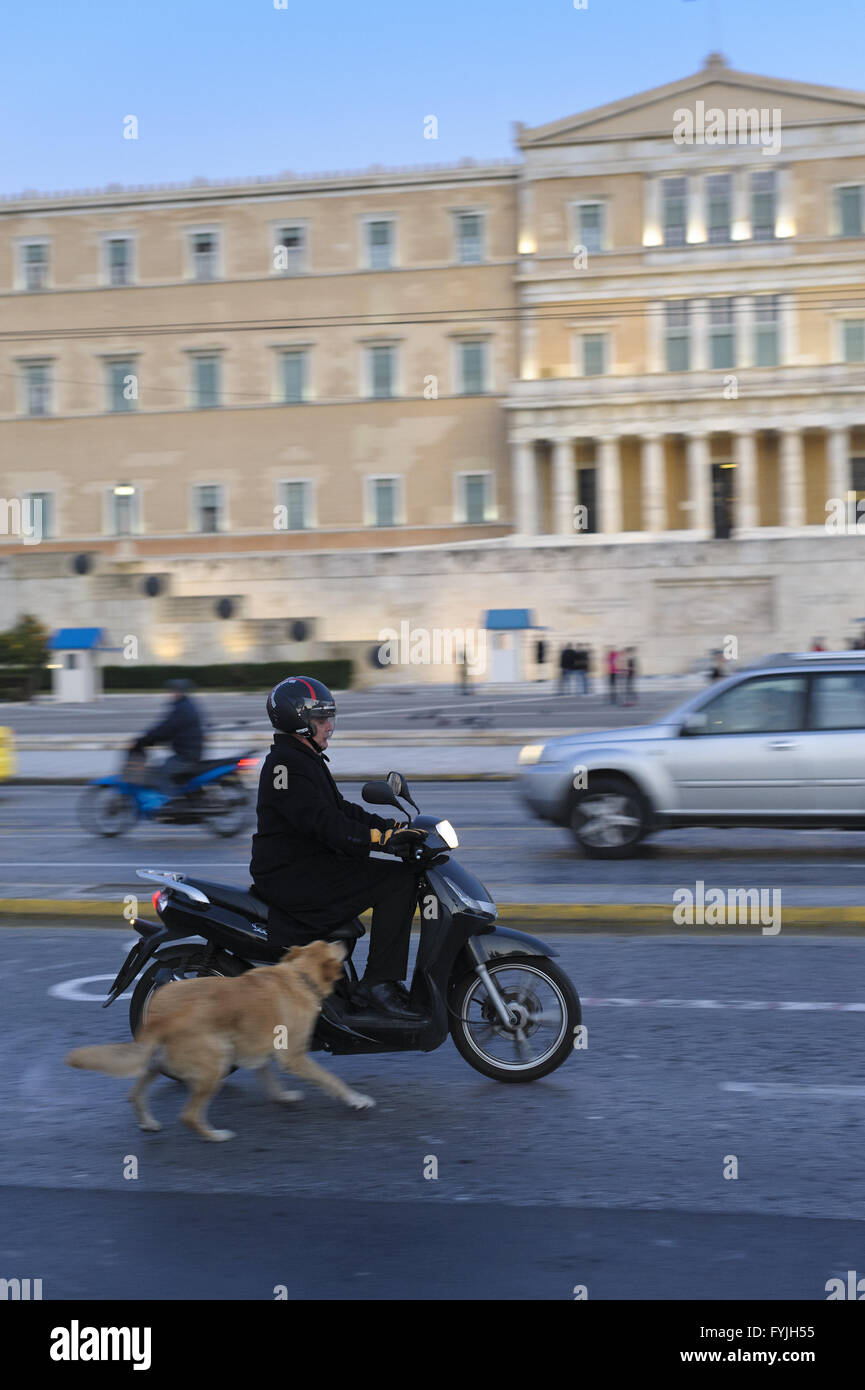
777	744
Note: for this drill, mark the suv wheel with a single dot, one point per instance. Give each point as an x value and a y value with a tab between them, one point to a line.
609	818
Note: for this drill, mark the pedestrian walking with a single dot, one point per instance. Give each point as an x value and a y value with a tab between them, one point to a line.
612	673
630	676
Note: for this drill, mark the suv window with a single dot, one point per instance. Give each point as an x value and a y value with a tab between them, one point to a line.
764	705
839	701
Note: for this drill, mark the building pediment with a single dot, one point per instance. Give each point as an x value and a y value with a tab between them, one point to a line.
653	112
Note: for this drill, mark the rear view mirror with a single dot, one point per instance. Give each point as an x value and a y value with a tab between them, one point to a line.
399	787
379	794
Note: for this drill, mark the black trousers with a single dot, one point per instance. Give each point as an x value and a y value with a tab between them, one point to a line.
332	889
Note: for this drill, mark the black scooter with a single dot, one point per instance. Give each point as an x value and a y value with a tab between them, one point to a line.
512	1013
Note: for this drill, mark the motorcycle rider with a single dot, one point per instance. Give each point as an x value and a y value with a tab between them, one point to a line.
310	853
181	727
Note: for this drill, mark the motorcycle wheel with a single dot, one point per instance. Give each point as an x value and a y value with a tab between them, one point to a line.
184	963
107	811
228	806
546	1010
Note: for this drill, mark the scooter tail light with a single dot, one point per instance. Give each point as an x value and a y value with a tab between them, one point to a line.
247	762
159	899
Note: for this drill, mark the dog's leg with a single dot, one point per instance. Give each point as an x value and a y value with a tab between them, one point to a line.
273	1088
138	1097
203	1084
308	1070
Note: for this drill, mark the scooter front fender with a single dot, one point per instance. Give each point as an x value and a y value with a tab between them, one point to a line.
503	941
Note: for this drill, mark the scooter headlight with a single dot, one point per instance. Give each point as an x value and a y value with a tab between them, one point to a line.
448	834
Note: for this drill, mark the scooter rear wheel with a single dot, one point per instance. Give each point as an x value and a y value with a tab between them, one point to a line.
184	963
545	1010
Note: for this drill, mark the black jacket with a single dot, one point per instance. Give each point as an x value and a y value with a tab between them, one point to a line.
302	819
181	729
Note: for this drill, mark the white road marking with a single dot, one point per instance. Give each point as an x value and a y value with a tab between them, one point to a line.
790	1004
74	989
780	1088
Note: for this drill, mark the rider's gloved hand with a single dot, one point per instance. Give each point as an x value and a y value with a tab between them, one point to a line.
398	841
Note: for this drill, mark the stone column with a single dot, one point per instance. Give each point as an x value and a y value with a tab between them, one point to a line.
609	483
743	318
838	453
792	478
655	336
524	475
699	324
653	481
652	211
747	510
564	487
700	484
697	217
741	206
787	345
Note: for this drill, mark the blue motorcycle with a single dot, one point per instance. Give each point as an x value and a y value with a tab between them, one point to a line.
213	793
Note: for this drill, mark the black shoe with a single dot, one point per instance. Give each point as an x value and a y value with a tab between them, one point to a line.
388	998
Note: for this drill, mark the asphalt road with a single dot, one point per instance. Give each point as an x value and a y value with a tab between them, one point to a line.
45	853
411	708
608	1174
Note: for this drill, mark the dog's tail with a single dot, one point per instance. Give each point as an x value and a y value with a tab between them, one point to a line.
115	1059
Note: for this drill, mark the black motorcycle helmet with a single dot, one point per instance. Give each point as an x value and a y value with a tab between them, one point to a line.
297	699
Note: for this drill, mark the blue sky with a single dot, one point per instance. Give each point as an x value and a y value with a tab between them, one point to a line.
229	88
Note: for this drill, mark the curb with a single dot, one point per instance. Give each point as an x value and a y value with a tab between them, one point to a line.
555	918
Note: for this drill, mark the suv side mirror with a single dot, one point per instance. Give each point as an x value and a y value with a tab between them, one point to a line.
696	723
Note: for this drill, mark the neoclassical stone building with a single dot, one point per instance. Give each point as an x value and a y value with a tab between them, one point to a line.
618	379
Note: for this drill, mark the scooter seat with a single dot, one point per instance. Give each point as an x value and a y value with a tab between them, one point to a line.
227	895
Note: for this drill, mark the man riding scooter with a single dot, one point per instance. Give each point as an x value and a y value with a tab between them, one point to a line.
311	851
181	728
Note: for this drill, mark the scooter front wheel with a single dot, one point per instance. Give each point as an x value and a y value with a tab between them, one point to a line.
106	810
544	1015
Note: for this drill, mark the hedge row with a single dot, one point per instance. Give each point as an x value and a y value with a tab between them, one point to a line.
251	675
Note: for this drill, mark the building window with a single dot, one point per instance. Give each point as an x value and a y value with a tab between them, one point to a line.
587	497
206	382
37	514
289	252
384	500
37	388
853	340
379	245
469	237
722	351
674	200
124	510
766	330
590	228
381	367
719	207
122	385
763	205
295	497
208	507
118	256
204	248
593	354
294	377
848	210
472	368
677	335
474	498
34	265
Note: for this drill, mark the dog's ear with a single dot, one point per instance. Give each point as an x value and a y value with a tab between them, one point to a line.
292	954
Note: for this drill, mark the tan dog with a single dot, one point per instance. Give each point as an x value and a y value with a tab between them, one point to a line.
199	1029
